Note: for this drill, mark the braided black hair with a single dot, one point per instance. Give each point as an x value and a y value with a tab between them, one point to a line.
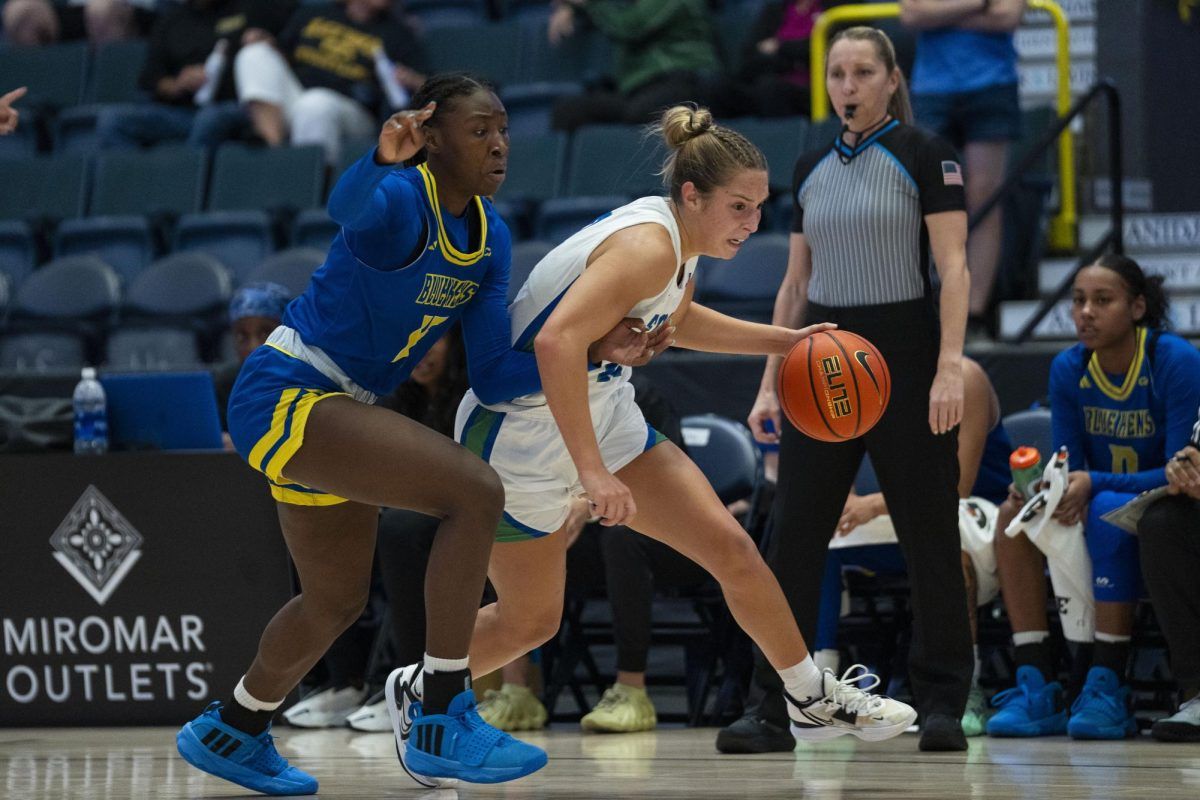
441	89
1138	283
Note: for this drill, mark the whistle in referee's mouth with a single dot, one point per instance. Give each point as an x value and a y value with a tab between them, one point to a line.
849	110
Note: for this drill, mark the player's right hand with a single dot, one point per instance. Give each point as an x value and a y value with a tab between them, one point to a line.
402	136
766	407
610	499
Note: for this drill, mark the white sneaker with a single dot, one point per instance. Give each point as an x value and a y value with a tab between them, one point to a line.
847	707
1182	726
372	716
325	709
401	692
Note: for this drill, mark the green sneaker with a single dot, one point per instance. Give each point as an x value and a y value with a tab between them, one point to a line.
513	708
622	709
974	719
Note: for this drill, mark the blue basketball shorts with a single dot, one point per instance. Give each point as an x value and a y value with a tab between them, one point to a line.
1116	568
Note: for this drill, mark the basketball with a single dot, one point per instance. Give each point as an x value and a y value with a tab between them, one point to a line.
834	386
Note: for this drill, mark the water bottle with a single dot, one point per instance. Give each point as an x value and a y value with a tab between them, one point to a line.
214	67
385	71
91	416
1026	465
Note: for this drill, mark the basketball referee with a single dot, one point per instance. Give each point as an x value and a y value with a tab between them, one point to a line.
867	211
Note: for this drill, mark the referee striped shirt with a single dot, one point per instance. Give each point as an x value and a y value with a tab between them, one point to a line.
862	212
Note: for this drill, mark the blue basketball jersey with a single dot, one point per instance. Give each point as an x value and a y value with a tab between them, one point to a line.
377	324
1122	428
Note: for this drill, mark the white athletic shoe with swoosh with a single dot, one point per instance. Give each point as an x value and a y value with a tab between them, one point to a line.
846	705
401	693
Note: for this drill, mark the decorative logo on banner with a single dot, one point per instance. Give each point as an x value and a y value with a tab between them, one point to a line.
96	544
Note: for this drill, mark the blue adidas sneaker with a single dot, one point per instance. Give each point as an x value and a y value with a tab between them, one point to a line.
209	745
1102	710
1031	708
459	744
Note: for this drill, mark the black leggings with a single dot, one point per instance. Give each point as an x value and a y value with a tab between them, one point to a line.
918	473
1169	539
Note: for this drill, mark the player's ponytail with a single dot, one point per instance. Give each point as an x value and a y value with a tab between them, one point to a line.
701	151
442	89
1149	287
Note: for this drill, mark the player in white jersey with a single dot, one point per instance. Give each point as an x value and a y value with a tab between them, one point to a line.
585	436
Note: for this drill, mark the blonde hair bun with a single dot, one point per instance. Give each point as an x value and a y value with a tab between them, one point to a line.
680	124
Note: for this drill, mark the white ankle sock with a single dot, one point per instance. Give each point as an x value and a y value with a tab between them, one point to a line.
803	681
1030	637
247	700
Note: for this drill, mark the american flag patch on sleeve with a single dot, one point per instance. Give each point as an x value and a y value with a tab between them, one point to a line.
951	173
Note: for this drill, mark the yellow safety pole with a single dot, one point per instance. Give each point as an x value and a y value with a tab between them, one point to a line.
1063	225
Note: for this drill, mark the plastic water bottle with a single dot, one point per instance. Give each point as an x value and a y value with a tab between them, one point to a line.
91	414
214	67
385	71
1026	465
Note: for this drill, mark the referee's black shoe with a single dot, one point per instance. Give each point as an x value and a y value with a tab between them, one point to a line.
753	734
942	733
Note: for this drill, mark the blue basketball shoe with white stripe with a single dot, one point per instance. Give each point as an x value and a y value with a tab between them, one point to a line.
459	744
208	744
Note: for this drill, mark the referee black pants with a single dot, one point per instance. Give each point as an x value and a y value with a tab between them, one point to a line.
918	473
1169	540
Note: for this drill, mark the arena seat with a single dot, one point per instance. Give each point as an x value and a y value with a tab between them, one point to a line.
781	139
41	352
535	167
55	74
272	179
746	285
492	50
559	217
313	227
18	250
1031	428
52	187
525	257
126	243
184	286
292	268
139	348
116	68
530	106
614	159
166	180
238	239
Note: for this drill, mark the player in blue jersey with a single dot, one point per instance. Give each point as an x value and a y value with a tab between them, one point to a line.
1123	401
419	249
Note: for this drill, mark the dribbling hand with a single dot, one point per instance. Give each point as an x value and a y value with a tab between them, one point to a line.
610	499
402	136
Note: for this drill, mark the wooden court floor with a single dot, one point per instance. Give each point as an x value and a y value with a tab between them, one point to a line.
123	763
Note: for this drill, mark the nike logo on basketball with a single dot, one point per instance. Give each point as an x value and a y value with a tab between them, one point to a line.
861	357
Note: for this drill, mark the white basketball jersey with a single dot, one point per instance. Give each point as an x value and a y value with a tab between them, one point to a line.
555	273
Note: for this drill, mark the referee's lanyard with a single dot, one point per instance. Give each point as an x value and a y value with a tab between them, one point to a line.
858	136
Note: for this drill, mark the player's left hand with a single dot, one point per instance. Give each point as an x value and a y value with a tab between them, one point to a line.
1073	506
946	398
627	344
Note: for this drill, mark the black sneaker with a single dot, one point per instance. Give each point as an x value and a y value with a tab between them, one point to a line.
753	734
942	733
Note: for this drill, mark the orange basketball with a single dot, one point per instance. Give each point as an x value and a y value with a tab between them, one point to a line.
834	386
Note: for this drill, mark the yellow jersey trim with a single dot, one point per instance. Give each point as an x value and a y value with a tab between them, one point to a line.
449	251
1112	391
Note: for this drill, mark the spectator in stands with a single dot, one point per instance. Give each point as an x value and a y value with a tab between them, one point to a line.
965	90
1169	539
29	23
773	76
334	69
665	54
866	539
254	312
1121	400
188	74
9	116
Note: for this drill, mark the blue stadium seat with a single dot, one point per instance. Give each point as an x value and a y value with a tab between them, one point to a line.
614	159
530	105
54	73
116	68
525	257
182	286
137	348
1031	428
435	14
291	268
23	142
585	57
781	139
76	294
535	167
725	452
314	228
560	217
164	181
746	285
126	243
18	250
51	187
41	352
75	130
492	50
5	295
820	135
272	179
238	239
